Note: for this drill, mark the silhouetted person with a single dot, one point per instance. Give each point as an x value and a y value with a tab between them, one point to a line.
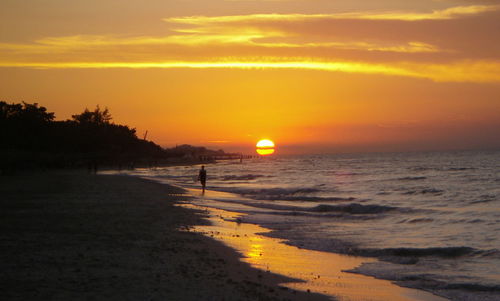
202	177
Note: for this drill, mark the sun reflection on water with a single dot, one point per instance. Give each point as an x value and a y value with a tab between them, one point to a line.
321	272
255	251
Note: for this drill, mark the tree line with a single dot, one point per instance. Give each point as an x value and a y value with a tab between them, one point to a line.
30	137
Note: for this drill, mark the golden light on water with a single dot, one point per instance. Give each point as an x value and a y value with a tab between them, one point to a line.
319	272
265	147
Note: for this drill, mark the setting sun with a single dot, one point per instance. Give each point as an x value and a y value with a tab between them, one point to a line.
265	147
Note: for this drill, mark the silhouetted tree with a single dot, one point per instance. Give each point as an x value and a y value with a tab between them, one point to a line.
30	137
97	116
23	125
24	113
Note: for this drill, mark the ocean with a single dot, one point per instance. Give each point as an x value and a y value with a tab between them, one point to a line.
432	219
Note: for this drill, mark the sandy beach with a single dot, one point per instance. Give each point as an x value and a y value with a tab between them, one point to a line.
256	150
74	236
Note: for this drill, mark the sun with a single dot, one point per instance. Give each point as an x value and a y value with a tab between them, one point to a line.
265	147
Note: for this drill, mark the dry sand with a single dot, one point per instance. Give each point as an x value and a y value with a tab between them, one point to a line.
73	236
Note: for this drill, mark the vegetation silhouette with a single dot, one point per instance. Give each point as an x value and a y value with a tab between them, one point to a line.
30	137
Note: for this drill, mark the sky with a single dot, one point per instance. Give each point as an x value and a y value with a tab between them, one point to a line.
311	75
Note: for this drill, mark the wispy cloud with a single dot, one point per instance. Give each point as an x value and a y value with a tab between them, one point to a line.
207	42
476	71
444	14
256	38
410	47
248	30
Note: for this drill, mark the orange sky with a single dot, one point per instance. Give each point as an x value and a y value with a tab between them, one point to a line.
313	75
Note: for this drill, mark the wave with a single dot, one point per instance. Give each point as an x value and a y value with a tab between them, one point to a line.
304	198
383	193
429	283
425	280
432	191
353	208
411	255
263	192
482	201
317	211
420	168
460	168
246	177
420	220
486	198
492	253
348	173
305	194
425	168
447	286
445	252
401	255
475	287
411	178
424	191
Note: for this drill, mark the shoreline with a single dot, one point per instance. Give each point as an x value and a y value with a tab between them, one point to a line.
429	265
320	272
71	235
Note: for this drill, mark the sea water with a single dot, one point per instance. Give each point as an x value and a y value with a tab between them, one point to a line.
431	218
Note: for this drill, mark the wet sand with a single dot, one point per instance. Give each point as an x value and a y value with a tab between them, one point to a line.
73	236
321	272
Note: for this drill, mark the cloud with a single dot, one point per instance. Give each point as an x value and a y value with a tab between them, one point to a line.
276	31
451	45
256	38
444	14
475	71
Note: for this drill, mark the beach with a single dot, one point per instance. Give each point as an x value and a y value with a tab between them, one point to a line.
320	272
76	236
426	220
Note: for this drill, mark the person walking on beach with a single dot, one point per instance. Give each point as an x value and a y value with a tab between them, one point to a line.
202	177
